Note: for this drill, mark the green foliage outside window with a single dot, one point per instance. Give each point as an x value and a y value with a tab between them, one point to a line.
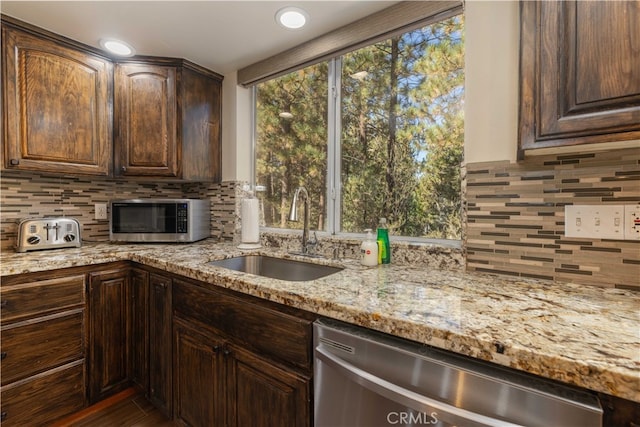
401	109
292	143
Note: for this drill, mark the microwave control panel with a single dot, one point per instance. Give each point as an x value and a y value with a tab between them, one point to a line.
182	221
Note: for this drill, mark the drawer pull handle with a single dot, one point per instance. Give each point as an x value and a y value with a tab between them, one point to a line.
4	303
3	416
3	355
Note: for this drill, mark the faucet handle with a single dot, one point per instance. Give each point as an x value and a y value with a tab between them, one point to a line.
310	244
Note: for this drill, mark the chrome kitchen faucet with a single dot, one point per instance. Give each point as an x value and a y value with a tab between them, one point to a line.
293	216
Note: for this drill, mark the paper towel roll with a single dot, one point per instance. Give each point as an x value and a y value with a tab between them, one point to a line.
250	221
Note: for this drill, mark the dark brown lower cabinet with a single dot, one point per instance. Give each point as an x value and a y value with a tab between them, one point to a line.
261	394
140	328
151	337
217	383
160	343
198	377
221	379
109	336
43	347
45	397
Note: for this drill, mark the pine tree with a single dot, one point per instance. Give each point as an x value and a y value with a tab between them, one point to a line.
401	136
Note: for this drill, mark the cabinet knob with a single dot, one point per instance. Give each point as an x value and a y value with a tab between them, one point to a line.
216	348
123	168
3	415
226	352
3	355
14	162
4	303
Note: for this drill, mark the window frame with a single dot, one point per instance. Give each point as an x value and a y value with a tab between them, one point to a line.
333	193
334	161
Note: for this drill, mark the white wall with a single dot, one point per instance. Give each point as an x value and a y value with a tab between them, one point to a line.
491	93
491	84
236	130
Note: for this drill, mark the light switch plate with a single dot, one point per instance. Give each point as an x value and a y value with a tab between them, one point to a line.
632	222
594	221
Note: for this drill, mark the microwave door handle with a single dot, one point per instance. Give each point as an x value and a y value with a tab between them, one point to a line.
445	412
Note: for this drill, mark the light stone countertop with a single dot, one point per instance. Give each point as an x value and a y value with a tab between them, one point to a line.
581	335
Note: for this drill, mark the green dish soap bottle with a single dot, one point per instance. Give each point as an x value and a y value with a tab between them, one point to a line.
384	249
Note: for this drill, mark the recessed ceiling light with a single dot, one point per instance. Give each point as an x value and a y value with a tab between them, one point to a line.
292	17
117	47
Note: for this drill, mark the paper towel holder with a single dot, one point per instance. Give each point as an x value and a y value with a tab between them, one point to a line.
250	223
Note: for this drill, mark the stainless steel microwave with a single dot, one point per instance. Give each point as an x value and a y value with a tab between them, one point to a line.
159	220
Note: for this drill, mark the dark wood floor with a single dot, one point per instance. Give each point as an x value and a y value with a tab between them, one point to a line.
126	410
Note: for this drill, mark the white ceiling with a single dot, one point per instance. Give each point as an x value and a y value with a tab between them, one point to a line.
223	36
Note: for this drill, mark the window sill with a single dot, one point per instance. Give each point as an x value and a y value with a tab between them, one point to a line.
357	238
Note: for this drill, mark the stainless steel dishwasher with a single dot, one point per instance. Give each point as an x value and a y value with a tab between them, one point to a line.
367	379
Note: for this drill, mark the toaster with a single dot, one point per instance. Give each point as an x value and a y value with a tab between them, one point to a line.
48	233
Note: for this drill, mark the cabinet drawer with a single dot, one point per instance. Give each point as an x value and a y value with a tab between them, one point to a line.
45	397
37	345
267	331
28	299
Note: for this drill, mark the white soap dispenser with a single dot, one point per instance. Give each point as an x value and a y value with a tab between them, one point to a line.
369	250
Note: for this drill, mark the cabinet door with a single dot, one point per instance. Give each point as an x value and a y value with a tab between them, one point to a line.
109	338
579	72
198	378
262	394
145	120
140	328
57	115
160	360
201	113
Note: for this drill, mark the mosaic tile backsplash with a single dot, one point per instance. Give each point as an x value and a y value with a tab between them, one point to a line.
515	217
39	195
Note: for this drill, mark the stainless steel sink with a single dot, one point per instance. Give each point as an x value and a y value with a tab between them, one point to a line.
276	268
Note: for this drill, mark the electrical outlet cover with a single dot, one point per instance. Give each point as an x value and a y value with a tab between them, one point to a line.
101	211
632	222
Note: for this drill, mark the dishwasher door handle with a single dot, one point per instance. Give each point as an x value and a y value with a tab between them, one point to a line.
444	411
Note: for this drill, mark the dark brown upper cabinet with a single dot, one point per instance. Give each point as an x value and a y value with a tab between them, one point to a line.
167	120
67	111
579	73
57	105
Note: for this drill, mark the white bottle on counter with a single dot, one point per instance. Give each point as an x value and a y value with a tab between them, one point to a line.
369	250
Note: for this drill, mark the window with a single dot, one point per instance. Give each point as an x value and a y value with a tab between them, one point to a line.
374	133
